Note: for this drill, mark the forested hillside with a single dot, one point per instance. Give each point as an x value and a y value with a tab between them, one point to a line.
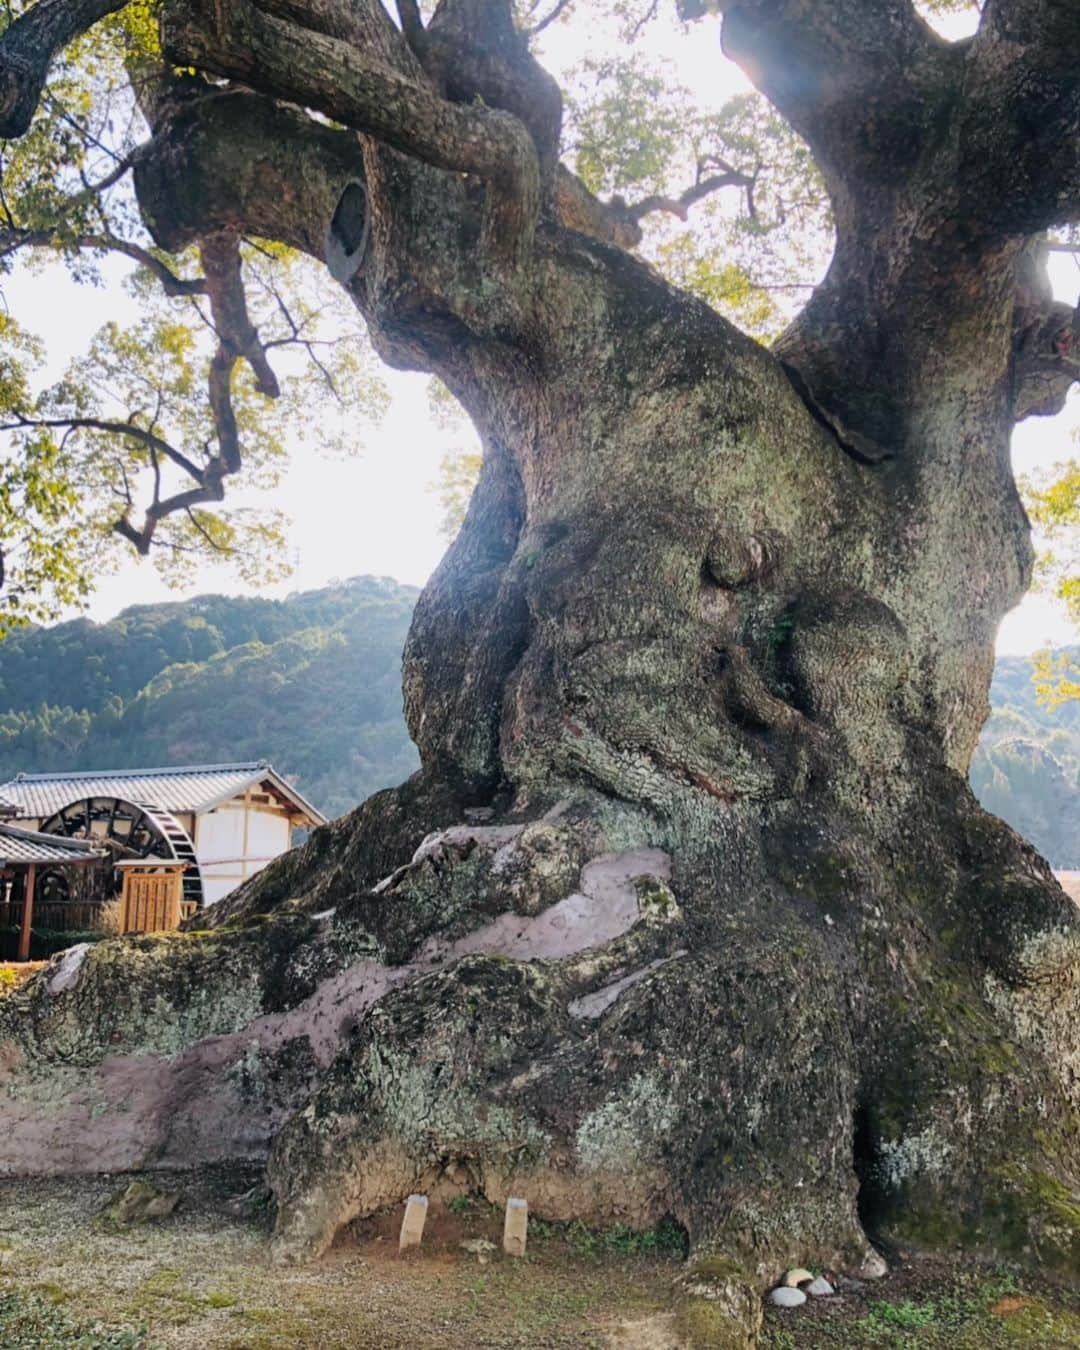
313	683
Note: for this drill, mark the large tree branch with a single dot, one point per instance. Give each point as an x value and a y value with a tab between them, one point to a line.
1020	117
850	75
475	51
363	25
27	49
243	41
234	160
1046	340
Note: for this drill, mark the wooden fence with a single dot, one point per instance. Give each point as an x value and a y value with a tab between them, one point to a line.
61	916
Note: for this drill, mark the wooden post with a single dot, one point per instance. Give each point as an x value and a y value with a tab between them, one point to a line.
412	1225
27	913
516	1227
246	835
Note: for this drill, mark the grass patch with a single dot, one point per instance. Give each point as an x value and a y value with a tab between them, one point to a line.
666	1240
35	1320
907	1314
469	1206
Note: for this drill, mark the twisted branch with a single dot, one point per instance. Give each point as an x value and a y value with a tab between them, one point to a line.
247	42
27	49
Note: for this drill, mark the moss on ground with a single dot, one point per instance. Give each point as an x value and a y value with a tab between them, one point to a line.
36	1318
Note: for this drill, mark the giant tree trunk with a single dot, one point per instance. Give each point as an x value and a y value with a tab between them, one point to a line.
689	911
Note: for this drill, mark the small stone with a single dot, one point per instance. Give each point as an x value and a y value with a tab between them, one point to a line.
786	1297
477	1246
820	1288
161	1206
873	1268
249	1202
796	1277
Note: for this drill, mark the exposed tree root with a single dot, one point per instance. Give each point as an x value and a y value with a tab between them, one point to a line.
537	1008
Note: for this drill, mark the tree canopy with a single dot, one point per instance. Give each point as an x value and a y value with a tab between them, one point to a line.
240	349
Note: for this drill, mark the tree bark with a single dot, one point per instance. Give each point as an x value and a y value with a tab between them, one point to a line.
689	910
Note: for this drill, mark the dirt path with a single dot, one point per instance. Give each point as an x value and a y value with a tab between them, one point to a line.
69	1276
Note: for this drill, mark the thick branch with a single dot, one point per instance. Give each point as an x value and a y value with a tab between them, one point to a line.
848	74
237	161
1021	116
578	209
680	206
1046	341
243	42
474	51
27	49
412	24
360	23
212	490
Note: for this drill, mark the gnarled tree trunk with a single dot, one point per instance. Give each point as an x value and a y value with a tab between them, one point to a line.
689	911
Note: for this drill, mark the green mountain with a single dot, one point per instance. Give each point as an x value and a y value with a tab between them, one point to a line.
313	683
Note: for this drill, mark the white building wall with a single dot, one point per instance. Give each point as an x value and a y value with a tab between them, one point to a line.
234	842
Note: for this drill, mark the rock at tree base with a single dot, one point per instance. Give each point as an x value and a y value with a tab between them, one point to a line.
141	1202
786	1297
249	1202
820	1288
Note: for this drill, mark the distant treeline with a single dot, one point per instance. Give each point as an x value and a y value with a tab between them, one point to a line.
313	683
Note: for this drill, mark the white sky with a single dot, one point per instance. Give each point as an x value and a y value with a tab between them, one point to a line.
375	513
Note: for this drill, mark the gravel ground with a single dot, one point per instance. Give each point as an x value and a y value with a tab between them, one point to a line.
201	1278
71	1276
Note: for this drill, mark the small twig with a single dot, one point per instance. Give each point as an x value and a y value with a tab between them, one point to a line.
680	206
549	19
211	541
12	240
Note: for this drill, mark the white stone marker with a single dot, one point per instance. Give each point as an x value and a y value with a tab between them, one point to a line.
412	1225
516	1228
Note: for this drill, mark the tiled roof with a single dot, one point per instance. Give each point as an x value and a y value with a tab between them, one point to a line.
25	846
196	788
